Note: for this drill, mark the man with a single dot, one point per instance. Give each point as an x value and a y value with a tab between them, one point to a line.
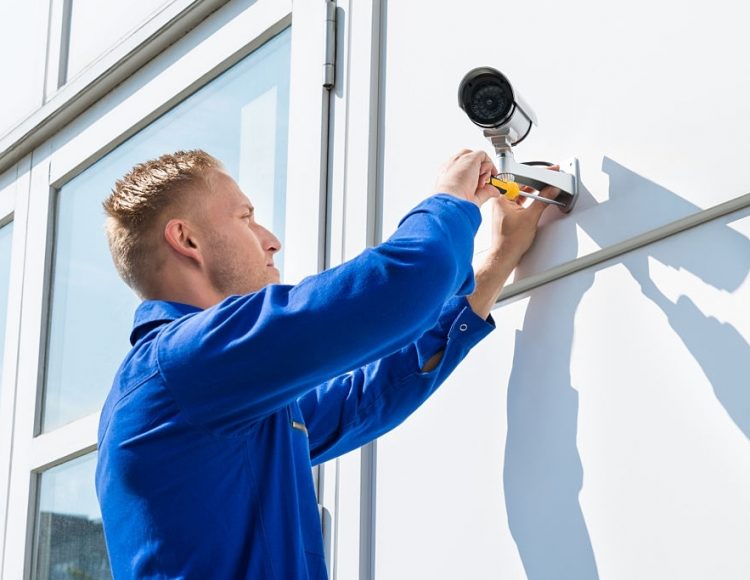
236	385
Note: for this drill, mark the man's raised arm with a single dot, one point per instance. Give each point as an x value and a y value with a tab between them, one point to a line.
250	355
353	409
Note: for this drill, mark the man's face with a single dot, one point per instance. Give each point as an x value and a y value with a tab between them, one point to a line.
238	251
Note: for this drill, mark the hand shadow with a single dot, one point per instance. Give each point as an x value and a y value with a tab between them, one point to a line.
543	473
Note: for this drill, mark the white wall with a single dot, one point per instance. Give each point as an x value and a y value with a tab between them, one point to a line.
603	430
652	98
626	382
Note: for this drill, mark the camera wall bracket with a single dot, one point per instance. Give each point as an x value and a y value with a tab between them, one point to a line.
566	180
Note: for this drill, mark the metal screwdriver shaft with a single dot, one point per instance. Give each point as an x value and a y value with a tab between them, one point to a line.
511	190
542	199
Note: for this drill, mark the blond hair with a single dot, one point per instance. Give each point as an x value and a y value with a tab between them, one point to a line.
139	199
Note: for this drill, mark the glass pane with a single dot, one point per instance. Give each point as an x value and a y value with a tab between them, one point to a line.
97	25
6	235
23	42
69	538
240	118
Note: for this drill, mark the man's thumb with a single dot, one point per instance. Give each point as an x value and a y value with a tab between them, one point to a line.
537	207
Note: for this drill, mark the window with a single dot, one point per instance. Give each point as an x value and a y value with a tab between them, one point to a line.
23	46
69	538
96	25
221	85
6	235
241	118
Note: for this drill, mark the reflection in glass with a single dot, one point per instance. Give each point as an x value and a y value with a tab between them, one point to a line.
6	235
240	118
69	538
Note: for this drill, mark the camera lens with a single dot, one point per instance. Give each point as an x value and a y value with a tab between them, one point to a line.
486	96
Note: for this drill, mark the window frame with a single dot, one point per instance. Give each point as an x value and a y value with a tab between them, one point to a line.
347	483
63	102
227	36
13	208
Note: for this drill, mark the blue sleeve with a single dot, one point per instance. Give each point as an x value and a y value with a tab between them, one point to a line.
249	355
353	409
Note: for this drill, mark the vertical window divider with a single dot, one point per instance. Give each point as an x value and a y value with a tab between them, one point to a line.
355	225
9	377
16	562
32	527
47	296
58	40
62	73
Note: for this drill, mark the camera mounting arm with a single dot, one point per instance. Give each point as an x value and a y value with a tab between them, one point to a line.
566	180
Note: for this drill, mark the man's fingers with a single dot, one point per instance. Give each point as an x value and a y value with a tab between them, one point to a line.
537	207
487	166
484	179
484	190
461	154
475	154
466	175
487	192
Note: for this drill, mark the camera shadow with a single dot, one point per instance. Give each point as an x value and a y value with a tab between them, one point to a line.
720	257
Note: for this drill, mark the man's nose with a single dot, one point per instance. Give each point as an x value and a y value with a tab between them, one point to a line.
272	243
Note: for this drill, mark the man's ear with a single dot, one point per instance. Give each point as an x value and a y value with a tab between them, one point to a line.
181	238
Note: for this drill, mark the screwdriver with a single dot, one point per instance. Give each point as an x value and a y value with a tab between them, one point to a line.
511	190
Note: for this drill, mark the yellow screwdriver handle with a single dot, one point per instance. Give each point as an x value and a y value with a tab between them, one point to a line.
510	189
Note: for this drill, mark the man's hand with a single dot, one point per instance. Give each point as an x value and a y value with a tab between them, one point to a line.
466	175
514	226
513	231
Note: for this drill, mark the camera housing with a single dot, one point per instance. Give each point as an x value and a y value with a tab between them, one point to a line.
488	98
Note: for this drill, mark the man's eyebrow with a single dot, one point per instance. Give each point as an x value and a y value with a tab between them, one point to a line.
249	208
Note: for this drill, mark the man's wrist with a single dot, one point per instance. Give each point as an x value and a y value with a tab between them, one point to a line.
502	259
490	277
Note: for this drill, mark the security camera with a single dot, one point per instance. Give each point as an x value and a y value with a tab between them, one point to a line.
488	98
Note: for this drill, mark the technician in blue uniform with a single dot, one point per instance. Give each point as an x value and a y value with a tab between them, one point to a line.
236	385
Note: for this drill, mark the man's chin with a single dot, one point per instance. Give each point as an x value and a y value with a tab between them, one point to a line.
274	278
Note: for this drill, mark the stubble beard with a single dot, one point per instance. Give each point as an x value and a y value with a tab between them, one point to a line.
228	273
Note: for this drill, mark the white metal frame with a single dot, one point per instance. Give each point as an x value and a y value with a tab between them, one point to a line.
551	274
348	483
13	207
220	41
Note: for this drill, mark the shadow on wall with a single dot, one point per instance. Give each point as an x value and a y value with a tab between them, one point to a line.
543	474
